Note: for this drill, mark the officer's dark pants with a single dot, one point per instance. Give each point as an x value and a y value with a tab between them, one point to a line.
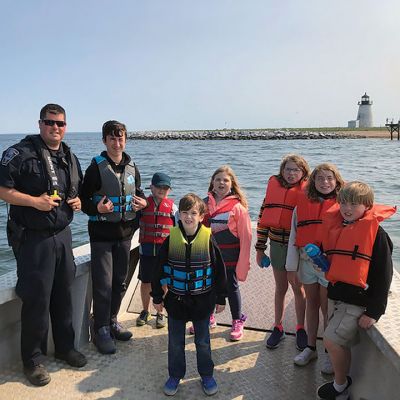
109	266
46	269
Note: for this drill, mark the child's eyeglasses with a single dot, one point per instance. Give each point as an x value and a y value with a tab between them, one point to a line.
51	122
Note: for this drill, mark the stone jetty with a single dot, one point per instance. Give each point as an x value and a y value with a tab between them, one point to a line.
240	134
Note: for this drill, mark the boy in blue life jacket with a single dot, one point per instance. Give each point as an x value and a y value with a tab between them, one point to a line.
191	266
155	222
111	196
360	273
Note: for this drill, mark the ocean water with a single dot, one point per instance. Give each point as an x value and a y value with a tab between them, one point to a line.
191	164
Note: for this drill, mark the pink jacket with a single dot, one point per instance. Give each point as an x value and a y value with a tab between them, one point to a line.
239	224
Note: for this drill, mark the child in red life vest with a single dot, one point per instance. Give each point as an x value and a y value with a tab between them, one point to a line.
360	273
230	224
274	223
155	222
191	265
318	197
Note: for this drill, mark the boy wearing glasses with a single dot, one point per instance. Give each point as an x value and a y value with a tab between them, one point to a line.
111	196
40	178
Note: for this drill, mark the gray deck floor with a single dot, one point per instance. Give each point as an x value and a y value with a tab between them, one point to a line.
244	370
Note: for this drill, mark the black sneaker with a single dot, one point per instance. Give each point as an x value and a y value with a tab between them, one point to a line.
120	333
37	375
301	339
275	338
143	318
103	341
73	357
328	392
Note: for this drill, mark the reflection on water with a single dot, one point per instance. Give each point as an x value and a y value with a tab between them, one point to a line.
191	163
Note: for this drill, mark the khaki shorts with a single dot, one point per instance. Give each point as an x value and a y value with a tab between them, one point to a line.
277	254
343	323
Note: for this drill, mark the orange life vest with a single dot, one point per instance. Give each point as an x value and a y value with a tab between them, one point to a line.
279	204
156	221
309	219
349	247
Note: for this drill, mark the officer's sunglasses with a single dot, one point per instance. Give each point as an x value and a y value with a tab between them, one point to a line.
51	122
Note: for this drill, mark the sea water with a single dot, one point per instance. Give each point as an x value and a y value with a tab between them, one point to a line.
191	164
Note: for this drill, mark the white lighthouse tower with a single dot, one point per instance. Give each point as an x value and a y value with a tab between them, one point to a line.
364	115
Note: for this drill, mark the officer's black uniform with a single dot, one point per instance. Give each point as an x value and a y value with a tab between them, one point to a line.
45	264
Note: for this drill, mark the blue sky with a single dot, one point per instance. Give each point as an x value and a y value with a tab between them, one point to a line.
191	64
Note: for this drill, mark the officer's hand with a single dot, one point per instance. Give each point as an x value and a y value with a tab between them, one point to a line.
45	202
75	204
138	203
105	205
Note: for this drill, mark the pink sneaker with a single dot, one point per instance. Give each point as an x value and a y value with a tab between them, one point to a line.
237	328
213	321
191	330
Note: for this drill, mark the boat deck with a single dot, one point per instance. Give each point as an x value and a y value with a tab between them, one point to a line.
244	370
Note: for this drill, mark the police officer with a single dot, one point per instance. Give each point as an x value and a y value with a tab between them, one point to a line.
111	196
40	178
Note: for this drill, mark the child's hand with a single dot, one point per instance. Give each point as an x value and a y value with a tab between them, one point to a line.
366	322
138	203
259	256
219	308
159	307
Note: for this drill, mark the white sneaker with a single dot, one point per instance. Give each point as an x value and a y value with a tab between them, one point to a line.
326	365
305	357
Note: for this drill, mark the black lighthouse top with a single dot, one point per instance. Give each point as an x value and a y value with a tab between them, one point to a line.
365	100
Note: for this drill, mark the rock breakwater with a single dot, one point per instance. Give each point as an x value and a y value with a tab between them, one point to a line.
227	134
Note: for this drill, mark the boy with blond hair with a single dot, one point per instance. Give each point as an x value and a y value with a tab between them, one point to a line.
360	273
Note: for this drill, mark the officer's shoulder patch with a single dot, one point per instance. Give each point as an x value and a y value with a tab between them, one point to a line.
8	155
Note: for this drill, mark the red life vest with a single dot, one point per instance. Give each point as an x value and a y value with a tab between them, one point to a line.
156	221
309	219
349	247
227	242
279	204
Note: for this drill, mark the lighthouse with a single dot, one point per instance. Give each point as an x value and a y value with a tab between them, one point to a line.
364	115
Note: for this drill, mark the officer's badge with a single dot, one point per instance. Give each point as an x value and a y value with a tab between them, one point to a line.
8	155
131	180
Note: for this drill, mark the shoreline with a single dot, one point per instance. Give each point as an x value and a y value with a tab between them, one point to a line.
261	134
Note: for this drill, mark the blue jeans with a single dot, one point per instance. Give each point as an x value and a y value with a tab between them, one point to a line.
176	347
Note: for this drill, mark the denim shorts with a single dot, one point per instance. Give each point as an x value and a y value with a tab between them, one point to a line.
277	254
308	274
342	326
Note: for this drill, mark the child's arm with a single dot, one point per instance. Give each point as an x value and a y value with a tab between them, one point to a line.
262	236
240	225
157	292
293	255
379	275
220	273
